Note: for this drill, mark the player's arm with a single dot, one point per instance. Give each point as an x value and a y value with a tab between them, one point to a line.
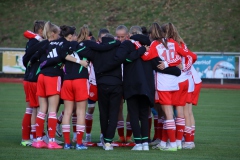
104	46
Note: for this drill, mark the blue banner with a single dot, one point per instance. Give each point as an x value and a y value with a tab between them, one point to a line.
215	66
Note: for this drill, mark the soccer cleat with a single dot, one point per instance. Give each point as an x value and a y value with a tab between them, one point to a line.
26	143
155	142
137	147
88	138
193	144
90	144
40	144
145	146
54	145
169	149
68	146
179	147
59	130
131	144
187	145
118	144
107	147
81	147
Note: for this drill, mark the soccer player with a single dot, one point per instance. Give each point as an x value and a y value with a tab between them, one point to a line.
193	100
51	57
28	122
168	50
185	82
74	91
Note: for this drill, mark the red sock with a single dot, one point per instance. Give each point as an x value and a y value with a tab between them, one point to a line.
164	133
59	120
193	133
33	130
129	131
149	126
171	130
88	121
180	126
52	123
187	134
74	122
40	124
120	128
80	132
26	124
66	133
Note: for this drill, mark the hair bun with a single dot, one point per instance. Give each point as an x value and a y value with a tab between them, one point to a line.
63	28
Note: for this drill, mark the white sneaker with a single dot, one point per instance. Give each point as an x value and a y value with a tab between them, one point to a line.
88	138
59	130
107	147
145	146
155	142
137	147
188	145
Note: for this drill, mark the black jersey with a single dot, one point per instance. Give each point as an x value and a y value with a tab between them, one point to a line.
27	56
34	69
52	57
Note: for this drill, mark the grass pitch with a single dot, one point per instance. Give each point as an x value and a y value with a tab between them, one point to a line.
217	131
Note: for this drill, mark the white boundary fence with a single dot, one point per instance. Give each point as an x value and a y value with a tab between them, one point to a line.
13	56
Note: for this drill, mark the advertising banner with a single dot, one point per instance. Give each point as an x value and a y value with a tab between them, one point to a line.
215	66
12	62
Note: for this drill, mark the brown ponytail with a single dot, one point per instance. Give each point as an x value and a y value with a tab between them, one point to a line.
171	32
83	33
156	33
38	25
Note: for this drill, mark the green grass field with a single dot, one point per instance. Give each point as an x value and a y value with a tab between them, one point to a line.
205	25
217	131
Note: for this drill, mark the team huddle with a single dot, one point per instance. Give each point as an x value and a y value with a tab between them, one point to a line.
149	70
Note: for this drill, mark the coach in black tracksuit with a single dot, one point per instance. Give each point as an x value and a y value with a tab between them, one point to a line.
109	83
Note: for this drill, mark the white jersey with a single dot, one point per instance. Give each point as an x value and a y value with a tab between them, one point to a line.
166	82
196	77
191	85
92	78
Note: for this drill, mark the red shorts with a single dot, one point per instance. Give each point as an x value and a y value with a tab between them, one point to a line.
189	97
26	90
93	95
33	98
196	93
75	90
166	97
180	96
48	86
